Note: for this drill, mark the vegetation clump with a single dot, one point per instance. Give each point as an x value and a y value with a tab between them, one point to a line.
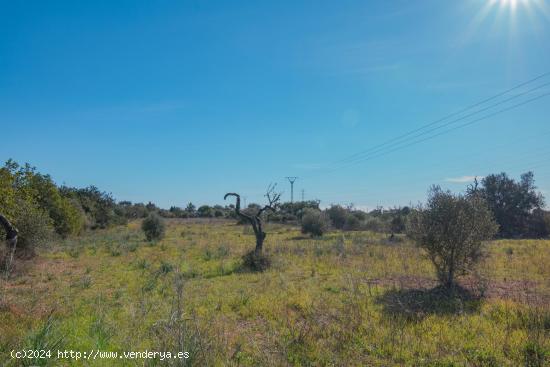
452	229
254	261
153	226
517	206
35	229
315	223
337	215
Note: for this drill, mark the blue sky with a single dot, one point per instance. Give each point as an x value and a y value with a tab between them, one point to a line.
178	101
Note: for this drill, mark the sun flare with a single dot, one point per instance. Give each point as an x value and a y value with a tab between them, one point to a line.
514	4
528	12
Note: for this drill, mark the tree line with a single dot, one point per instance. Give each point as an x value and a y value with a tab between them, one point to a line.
40	209
516	206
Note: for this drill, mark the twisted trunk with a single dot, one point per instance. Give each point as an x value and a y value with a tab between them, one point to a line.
11	241
254	220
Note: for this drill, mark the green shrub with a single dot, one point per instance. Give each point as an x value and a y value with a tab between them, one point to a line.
256	261
99	207
205	211
338	216
153	226
452	228
66	214
397	224
375	225
35	228
314	222
353	223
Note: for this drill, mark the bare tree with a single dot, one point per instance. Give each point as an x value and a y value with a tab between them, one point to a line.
11	241
256	219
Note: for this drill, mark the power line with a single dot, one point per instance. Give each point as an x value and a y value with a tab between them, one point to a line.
478	166
399	147
446	117
410	138
465	117
459	126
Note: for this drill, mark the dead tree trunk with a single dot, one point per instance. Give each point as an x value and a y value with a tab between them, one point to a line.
256	219
11	242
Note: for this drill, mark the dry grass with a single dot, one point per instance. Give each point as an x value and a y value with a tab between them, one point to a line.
345	299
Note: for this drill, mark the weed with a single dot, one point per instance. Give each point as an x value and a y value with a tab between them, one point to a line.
143	264
46	338
331	301
535	355
74	252
84	282
181	333
253	261
165	268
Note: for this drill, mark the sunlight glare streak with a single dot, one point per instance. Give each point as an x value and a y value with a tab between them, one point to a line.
511	7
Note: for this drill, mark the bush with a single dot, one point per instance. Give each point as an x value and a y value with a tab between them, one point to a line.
153	226
67	216
337	216
20	184
35	229
256	261
100	207
205	211
397	224
352	223
452	230
314	222
375	224
289	212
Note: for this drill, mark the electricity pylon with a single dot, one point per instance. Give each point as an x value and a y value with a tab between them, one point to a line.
291	180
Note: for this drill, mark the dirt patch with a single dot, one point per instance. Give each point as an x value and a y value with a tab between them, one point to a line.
521	291
30	288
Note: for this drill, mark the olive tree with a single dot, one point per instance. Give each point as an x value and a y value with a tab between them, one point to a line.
254	217
516	205
315	222
153	226
452	229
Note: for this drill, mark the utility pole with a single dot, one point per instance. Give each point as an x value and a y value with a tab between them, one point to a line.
291	180
303	194
244	197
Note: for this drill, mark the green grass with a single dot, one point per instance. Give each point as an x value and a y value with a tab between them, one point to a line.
350	299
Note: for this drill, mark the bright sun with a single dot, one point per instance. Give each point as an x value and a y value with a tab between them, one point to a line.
529	6
500	14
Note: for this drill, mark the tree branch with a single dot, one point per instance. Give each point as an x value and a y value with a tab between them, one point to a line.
238	206
11	231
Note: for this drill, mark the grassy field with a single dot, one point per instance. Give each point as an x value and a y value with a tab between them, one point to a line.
347	299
